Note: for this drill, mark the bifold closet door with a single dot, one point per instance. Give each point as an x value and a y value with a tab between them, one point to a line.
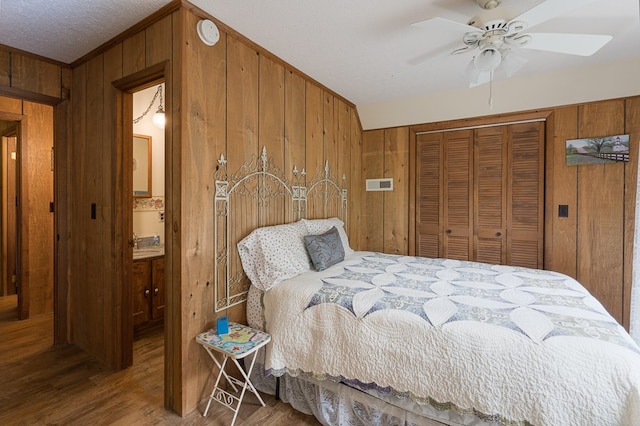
429	194
525	195
479	194
508	195
444	212
490	188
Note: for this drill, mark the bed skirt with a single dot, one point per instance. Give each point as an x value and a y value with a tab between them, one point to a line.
334	403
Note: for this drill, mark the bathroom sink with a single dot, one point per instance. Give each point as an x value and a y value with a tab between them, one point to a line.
139	253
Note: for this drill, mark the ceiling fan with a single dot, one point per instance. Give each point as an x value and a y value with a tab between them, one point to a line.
497	34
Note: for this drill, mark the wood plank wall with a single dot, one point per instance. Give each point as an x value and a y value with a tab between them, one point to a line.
385	215
94	295
31	77
594	244
96	214
237	99
233	98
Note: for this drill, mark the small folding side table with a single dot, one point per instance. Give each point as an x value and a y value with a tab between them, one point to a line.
240	342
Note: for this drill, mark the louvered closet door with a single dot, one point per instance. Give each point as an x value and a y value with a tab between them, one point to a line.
458	195
429	194
525	197
444	195
490	182
480	194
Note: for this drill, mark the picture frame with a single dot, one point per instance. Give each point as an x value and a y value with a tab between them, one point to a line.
141	166
597	150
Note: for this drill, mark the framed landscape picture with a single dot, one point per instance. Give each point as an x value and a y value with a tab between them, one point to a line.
599	150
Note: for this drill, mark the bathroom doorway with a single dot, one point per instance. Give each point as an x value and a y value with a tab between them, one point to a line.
126	87
148	177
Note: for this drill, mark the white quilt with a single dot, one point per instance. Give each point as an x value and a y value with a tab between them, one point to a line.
510	344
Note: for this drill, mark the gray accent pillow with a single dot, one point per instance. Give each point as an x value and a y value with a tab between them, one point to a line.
325	250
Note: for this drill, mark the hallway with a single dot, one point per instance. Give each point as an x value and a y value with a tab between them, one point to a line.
42	384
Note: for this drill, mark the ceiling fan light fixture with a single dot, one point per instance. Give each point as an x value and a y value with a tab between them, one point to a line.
487	60
472	73
488	4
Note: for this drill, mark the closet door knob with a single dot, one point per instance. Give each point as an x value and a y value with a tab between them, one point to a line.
155	291
146	292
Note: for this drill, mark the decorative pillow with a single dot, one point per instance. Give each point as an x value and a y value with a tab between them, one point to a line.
325	249
273	254
319	226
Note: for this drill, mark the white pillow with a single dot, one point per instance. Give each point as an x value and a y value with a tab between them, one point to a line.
320	226
273	254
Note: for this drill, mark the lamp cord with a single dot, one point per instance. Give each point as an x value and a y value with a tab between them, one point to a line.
158	93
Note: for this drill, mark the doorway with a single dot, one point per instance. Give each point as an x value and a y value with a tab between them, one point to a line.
9	276
148	177
27	218
126	87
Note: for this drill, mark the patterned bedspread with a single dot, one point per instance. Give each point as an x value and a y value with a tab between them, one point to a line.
514	344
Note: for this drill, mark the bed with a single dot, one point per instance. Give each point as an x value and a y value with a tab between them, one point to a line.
373	338
463	340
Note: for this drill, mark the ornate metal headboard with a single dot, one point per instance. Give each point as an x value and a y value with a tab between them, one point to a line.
256	195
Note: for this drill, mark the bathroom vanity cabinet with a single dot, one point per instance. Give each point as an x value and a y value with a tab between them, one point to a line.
148	291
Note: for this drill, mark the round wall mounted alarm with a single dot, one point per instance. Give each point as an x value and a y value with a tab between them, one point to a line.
208	32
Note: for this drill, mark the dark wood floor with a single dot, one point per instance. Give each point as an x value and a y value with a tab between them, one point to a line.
45	385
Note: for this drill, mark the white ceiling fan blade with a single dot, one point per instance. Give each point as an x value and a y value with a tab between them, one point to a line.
572	44
549	10
442	24
512	62
421	61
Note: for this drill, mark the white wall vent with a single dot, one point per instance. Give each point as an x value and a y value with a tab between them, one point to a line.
385	184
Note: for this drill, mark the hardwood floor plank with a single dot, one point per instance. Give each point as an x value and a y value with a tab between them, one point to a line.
45	385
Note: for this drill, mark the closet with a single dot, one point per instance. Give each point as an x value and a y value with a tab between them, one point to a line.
480	194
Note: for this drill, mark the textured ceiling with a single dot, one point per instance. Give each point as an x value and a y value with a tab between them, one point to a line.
362	49
66	30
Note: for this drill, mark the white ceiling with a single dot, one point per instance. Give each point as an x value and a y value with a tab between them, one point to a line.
361	49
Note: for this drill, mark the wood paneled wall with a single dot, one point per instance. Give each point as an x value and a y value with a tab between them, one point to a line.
233	98
385	214
594	244
26	76
237	99
96	212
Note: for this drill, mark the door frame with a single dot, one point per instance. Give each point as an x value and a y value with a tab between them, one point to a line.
125	87
10	132
21	225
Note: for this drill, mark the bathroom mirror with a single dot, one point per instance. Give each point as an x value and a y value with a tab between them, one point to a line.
141	166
